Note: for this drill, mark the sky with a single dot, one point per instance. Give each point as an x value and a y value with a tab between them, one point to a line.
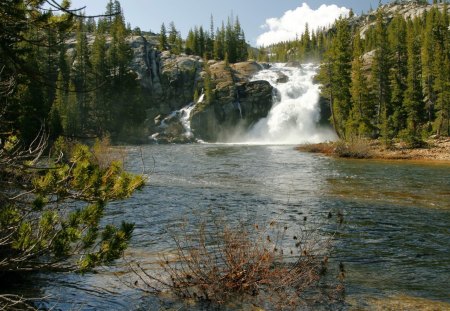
263	21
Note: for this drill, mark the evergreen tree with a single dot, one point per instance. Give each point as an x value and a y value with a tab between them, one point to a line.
429	43
398	72
362	112
219	43
190	43
230	43
81	71
326	77
413	93
162	39
58	114
441	87
201	42
100	102
173	34
380	77
341	72
178	44
72	122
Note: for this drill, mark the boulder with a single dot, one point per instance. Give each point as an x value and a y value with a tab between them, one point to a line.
246	70
232	104
282	78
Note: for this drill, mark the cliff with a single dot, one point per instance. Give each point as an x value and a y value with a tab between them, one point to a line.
170	81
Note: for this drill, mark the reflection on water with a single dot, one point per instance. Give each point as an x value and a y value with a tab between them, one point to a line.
395	238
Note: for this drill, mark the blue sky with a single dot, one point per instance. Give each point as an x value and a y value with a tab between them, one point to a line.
150	14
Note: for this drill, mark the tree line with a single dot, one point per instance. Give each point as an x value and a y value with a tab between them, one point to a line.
224	43
394	81
310	46
96	93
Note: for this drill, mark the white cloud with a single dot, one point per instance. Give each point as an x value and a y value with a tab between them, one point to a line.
292	23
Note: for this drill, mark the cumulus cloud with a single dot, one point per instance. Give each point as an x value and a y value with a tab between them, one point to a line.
293	22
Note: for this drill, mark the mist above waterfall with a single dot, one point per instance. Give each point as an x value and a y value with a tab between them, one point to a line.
295	114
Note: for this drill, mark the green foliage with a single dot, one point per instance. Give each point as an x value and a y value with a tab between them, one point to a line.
400	77
42	220
90	92
228	40
162	38
51	208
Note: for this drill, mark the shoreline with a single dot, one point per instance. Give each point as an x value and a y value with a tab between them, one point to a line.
436	150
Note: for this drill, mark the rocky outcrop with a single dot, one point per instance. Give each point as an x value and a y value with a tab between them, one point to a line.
235	101
405	8
170	81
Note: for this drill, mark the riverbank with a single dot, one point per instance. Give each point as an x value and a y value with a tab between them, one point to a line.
437	149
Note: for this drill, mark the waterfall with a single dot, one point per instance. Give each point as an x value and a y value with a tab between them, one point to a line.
185	114
295	113
201	98
238	106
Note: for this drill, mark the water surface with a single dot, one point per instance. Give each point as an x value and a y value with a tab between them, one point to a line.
395	239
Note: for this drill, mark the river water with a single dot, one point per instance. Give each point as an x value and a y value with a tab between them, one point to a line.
395	238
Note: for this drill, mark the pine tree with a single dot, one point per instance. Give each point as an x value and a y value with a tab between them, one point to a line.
230	43
100	84
72	122
413	94
58	113
219	43
380	77
162	39
442	88
201	42
173	33
190	43
342	58
325	76
82	70
178	44
429	44
398	72
361	112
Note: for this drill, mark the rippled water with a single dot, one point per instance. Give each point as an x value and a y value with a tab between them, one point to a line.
395	239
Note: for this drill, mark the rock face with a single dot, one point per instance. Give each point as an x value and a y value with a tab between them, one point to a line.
170	81
405	8
235	101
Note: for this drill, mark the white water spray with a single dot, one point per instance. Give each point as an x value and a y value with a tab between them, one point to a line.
185	116
185	120
295	113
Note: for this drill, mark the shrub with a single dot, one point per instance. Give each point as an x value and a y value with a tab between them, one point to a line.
325	148
261	265
411	139
357	149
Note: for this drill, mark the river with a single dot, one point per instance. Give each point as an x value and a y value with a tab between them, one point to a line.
394	241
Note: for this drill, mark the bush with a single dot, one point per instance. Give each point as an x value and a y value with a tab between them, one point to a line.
325	148
260	265
51	208
357	149
411	139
